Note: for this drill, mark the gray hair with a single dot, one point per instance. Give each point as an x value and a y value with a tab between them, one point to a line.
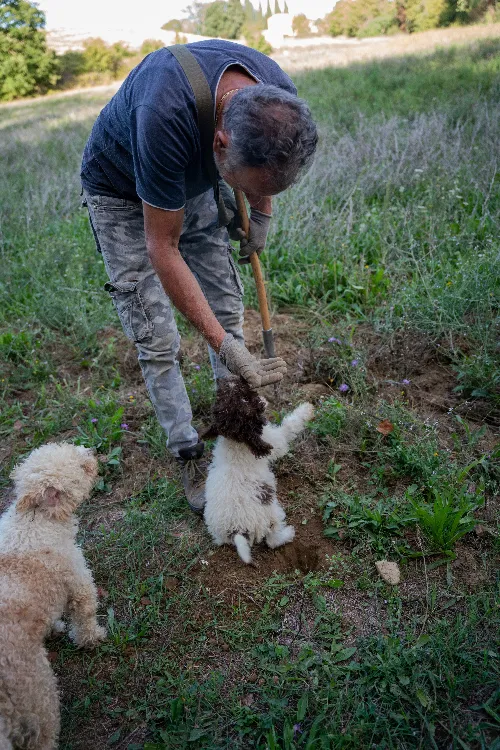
271	128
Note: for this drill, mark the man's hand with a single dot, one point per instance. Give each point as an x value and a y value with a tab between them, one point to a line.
257	373
257	235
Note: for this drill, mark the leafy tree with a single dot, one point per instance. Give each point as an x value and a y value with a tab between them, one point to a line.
285	8
301	25
260	21
277	8
373	17
102	58
71	65
98	57
250	12
150	45
26	65
424	14
258	42
173	25
224	19
254	24
195	17
358	17
269	12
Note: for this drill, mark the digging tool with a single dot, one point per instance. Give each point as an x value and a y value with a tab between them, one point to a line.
267	331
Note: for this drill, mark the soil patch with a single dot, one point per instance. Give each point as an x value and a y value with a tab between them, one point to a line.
224	574
411	356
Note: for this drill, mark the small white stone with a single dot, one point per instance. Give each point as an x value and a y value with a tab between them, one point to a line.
388	571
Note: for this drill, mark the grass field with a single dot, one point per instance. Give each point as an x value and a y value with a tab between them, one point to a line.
384	272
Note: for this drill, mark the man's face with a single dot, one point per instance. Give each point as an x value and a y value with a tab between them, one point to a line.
255	182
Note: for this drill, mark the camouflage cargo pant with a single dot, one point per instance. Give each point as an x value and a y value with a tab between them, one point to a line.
144	308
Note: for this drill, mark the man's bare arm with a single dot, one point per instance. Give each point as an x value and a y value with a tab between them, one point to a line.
163	230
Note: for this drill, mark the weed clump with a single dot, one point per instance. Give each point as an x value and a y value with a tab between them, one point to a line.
329	419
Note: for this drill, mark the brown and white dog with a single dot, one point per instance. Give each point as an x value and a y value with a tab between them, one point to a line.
42	575
241	503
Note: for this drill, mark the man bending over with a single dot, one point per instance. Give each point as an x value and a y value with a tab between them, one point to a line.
155	218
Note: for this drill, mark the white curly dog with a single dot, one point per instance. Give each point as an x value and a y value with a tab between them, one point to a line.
43	574
241	503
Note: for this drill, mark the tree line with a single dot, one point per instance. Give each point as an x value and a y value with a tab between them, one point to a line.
364	18
229	19
28	67
234	19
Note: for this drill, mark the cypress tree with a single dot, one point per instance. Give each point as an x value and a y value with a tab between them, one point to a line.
249	10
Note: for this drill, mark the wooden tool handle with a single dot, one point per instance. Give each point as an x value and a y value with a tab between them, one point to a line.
255	263
242	210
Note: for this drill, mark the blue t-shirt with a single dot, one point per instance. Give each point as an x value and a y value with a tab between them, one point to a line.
145	144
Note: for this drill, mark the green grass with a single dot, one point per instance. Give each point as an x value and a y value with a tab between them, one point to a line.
452	79
390	241
425	680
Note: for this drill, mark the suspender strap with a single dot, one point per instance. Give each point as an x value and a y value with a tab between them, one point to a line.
206	123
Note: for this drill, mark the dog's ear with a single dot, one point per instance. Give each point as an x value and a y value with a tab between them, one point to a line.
88	460
50	500
90	466
259	447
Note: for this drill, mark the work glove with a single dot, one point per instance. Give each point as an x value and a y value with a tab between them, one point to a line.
257	235
257	372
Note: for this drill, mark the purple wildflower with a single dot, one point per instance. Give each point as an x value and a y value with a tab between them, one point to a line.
197	367
124	426
405	381
93	420
334	340
355	363
297	729
343	388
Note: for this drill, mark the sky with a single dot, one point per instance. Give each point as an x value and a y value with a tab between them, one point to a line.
90	14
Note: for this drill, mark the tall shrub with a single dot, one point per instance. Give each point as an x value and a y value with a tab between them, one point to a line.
224	19
26	65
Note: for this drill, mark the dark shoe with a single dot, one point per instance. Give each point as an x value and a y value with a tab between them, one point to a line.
194	475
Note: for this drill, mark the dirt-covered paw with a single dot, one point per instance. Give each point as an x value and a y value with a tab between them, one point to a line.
87	637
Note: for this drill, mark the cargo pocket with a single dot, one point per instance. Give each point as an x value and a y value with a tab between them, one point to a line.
110	203
235	275
133	315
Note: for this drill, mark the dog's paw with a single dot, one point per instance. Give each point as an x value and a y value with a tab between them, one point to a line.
87	636
284	535
288	534
304	411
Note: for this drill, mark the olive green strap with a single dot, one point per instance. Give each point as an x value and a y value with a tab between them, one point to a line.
206	123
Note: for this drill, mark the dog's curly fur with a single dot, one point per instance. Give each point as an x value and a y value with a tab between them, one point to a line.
241	503
239	414
42	575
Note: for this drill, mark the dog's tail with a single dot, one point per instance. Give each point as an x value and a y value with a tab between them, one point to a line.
243	548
